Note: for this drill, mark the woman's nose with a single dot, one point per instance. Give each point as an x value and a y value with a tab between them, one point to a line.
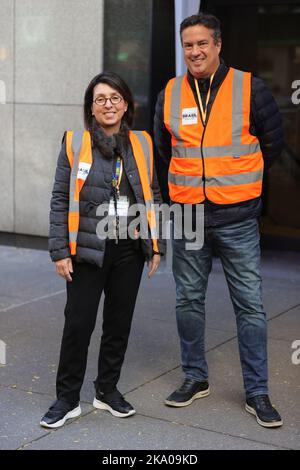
108	104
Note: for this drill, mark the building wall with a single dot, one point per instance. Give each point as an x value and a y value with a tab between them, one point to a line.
49	51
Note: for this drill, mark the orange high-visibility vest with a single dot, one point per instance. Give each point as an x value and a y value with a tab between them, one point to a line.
230	155
79	152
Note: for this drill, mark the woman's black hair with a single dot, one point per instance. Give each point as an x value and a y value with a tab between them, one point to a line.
118	84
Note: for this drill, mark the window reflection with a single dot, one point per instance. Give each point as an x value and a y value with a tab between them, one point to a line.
278	63
127	45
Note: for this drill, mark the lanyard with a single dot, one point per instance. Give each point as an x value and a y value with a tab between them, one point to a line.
203	113
117	176
116	180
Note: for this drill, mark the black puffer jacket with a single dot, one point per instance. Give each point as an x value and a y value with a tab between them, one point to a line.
96	191
265	123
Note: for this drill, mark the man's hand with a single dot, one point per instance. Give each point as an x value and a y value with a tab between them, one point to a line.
64	267
153	265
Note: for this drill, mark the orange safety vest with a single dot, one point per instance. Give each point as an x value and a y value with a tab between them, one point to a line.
79	152
232	168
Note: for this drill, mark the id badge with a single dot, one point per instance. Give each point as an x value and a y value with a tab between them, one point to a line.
189	116
122	206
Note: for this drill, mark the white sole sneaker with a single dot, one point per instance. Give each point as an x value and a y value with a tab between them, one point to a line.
202	394
72	414
274	424
104	406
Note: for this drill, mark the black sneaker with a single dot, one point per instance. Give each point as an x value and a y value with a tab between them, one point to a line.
266	415
188	392
58	414
114	403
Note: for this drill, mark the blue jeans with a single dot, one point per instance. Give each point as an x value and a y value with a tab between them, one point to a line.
238	247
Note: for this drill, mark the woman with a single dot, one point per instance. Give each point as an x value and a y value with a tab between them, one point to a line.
105	166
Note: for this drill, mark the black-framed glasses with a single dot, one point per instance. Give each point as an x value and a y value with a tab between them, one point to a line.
101	101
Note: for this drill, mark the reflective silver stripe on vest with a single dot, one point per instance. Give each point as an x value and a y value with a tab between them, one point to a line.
76	147
186	152
227	180
146	150
235	150
183	180
234	180
216	151
73	237
237	106
175	111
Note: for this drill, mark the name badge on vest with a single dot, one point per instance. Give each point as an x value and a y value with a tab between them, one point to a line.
189	116
83	170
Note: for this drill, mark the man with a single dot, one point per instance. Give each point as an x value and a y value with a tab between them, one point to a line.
218	129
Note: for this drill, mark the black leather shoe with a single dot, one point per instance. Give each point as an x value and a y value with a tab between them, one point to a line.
114	403
188	392
266	415
58	414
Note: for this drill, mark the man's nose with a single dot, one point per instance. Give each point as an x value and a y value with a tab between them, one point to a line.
196	50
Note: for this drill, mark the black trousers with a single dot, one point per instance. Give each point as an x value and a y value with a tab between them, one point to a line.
120	279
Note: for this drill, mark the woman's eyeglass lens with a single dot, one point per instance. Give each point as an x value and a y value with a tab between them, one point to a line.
101	101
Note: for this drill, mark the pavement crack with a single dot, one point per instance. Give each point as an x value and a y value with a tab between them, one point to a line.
193	426
43	297
284	312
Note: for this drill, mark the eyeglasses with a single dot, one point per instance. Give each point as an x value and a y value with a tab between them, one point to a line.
101	101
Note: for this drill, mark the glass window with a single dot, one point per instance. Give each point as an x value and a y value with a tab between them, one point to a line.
278	63
127	49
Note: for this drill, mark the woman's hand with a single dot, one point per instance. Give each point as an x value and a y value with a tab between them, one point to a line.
153	265
64	267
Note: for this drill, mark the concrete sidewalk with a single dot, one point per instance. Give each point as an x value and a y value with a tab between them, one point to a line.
32	300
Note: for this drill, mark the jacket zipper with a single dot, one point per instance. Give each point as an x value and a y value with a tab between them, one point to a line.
203	165
201	149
